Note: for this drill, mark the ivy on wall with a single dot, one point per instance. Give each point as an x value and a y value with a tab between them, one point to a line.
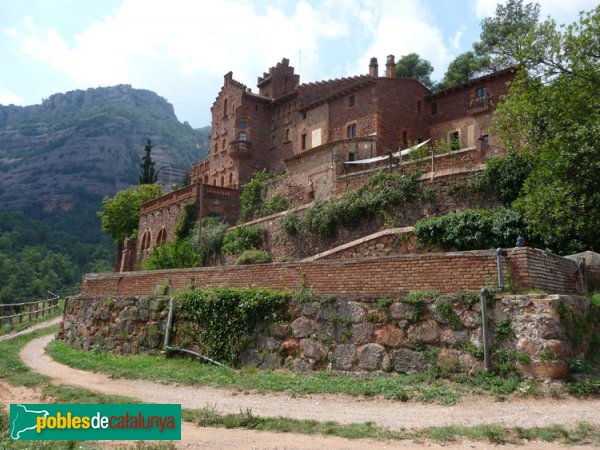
227	317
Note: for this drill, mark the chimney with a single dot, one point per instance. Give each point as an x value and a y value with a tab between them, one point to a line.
374	68
390	67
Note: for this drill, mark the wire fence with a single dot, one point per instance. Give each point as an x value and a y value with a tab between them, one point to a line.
13	313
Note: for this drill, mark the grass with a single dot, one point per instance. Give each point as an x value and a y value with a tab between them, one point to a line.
5	328
16	372
432	386
580	434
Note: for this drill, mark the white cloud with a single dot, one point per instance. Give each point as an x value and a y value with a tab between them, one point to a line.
455	41
186	37
402	28
7	98
561	11
10	32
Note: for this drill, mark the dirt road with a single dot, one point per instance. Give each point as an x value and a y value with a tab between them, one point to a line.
343	409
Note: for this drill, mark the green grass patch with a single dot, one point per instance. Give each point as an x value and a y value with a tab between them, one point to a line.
427	387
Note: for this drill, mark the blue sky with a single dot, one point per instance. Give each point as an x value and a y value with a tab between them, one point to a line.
182	48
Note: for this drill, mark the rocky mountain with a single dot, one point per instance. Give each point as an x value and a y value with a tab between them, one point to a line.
77	147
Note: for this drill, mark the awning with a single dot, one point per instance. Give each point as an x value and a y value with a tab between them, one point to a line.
398	154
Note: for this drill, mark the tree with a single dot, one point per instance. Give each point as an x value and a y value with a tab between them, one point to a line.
186	180
147	176
505	35
413	66
552	112
120	214
464	67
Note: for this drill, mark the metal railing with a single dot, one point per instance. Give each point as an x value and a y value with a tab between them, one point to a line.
12	313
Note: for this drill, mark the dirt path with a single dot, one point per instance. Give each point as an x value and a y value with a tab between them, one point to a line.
31	329
394	415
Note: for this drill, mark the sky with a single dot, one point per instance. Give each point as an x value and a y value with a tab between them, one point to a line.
181	49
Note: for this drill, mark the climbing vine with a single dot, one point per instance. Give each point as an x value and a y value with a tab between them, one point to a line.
226	318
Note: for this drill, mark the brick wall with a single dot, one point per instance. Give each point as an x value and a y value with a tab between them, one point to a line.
534	268
448	272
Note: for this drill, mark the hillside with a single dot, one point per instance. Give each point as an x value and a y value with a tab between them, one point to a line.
80	146
58	160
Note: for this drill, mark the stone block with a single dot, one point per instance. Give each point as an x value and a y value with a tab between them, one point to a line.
427	332
547	370
280	330
303	327
361	333
352	311
370	356
389	336
311	309
313	349
409	361
343	357
448	359
401	311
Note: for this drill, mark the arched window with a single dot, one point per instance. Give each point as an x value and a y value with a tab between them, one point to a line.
230	180
225	108
222	180
146	239
205	179
162	236
224	143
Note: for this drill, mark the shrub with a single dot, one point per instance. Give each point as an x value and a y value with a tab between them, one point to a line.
241	238
172	255
472	229
273	205
208	238
292	223
253	257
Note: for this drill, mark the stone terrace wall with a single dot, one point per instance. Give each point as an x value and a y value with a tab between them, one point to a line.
450	194
363	334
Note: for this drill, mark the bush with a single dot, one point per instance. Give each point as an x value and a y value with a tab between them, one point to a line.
253	257
472	229
208	238
292	223
176	254
241	238
275	204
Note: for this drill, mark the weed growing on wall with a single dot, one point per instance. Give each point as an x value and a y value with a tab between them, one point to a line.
208	238
253	257
472	229
253	198
382	190
228	316
240	239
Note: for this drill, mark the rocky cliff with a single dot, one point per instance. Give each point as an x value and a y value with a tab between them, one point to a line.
83	145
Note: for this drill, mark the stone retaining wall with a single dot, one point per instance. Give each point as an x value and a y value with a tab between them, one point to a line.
390	334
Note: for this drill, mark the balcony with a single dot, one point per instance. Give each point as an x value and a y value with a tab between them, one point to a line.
478	105
239	149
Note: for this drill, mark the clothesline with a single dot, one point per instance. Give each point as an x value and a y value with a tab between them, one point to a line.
398	154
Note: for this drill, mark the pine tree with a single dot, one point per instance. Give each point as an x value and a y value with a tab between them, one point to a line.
148	176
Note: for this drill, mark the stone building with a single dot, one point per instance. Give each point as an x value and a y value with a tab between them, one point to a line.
306	131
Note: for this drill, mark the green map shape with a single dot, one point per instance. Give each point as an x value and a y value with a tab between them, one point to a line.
24	420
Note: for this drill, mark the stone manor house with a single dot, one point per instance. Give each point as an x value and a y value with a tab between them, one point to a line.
305	133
